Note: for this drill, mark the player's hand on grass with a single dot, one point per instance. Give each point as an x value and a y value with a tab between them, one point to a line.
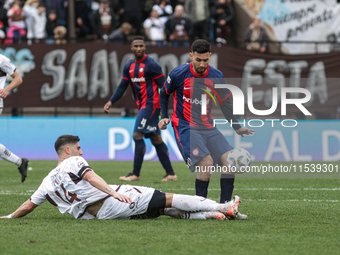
107	106
163	123
122	198
244	131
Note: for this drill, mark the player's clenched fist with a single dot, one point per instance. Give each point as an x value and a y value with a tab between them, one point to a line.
163	123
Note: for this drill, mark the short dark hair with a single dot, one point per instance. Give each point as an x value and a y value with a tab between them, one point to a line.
200	46
138	37
65	139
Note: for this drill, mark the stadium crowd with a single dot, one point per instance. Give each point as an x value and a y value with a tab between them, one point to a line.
162	22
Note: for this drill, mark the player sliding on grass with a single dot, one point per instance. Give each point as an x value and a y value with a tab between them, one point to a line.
77	190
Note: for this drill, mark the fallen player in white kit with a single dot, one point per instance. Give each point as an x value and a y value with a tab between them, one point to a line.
77	190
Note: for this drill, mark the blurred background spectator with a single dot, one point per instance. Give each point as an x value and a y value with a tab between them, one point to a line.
164	9
198	13
38	24
103	21
131	11
120	35
179	28
30	8
222	13
51	23
82	13
154	29
16	23
59	35
256	36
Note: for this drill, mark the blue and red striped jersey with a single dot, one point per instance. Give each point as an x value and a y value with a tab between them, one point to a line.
145	77
188	89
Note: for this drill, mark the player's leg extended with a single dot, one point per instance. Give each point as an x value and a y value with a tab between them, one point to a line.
179	214
11	157
196	204
163	155
138	158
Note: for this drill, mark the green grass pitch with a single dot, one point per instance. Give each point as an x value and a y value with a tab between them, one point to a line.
286	216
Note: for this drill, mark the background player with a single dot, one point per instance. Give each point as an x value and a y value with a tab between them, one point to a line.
6	67
77	190
145	76
200	143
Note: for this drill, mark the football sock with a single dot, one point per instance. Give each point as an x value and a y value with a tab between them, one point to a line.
179	214
9	156
227	187
163	155
139	155
201	188
193	203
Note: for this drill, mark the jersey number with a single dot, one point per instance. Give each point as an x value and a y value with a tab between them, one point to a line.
70	200
142	123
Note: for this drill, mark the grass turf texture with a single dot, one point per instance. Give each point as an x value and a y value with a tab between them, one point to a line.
286	216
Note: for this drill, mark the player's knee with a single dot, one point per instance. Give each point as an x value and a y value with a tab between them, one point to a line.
137	136
156	139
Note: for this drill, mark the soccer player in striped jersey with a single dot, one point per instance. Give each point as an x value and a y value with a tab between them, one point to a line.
76	189
202	145
145	76
6	67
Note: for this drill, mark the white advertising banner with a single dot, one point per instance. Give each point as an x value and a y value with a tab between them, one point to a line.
302	21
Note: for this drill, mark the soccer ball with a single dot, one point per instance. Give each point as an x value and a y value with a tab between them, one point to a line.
238	160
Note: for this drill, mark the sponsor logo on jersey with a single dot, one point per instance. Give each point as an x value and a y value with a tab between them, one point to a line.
168	79
141	69
194	101
138	79
151	128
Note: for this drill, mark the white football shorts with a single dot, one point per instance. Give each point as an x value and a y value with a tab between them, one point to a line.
114	209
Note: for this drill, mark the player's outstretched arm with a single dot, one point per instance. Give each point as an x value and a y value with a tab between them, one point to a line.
98	182
23	210
17	80
244	131
163	123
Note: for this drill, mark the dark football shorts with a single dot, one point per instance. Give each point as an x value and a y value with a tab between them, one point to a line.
147	121
195	144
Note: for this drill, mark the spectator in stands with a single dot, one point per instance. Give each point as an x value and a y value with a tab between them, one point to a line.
38	24
83	27
154	29
30	8
164	10
198	12
59	34
103	21
120	34
132	12
2	33
223	14
179	28
256	36
62	11
16	22
51	23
